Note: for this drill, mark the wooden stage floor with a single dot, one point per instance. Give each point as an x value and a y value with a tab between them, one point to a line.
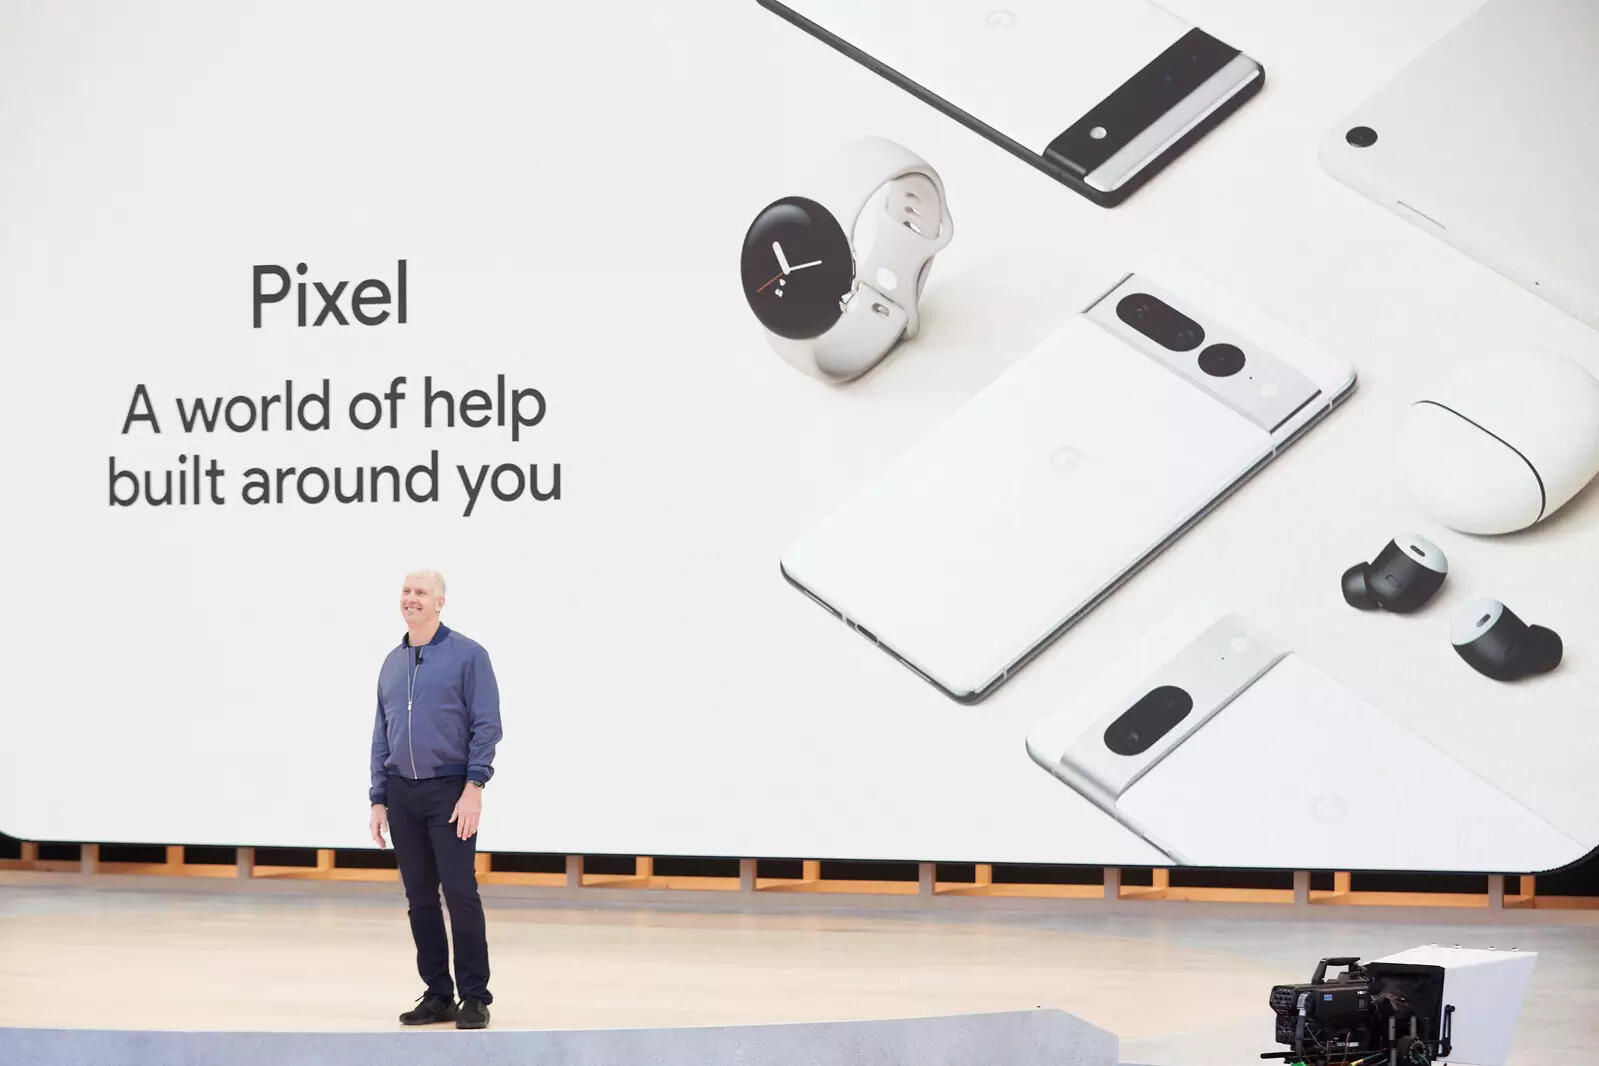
1183	989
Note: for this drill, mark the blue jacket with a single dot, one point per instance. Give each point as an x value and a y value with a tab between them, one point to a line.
439	717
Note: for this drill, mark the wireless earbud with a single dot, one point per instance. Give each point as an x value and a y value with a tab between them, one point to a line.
1404	576
1497	644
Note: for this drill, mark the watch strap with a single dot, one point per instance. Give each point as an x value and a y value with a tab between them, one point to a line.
868	329
891	205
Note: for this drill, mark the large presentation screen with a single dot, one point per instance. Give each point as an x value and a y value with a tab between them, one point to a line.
298	300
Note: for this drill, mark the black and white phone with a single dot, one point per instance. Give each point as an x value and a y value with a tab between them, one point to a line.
1100	95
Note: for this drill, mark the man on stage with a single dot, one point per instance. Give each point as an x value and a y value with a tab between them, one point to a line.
432	753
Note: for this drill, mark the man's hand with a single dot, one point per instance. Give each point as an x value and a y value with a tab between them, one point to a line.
378	823
468	809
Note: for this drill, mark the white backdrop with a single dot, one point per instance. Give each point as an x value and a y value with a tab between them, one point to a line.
569	186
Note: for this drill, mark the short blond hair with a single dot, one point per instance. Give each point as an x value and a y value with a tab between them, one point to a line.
432	575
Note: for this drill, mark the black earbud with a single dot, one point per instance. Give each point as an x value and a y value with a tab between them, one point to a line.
1497	644
1404	576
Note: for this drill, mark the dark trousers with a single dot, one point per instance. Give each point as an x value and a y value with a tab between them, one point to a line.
431	855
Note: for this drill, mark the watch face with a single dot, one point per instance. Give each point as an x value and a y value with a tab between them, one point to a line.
797	268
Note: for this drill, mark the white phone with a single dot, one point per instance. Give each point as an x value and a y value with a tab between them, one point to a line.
995	534
1220	746
1100	96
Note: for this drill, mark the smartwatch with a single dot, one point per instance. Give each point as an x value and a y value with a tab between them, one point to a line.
835	279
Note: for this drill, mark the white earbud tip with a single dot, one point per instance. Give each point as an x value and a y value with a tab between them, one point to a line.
1423	551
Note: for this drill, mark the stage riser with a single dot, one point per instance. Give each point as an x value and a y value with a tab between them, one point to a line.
1020	1038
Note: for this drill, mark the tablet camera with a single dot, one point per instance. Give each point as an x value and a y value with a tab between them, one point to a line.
1361	136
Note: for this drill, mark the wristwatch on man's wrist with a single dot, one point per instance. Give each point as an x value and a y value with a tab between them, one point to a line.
479	784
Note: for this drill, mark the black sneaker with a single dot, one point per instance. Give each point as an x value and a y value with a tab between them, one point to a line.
429	1009
474	1014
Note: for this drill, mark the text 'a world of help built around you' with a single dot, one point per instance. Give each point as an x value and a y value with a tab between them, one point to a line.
195	480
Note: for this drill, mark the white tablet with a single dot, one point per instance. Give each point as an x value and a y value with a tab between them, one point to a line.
1490	139
994	534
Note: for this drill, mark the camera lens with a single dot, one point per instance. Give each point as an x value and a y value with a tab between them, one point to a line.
1160	322
1221	360
1361	136
1155	714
